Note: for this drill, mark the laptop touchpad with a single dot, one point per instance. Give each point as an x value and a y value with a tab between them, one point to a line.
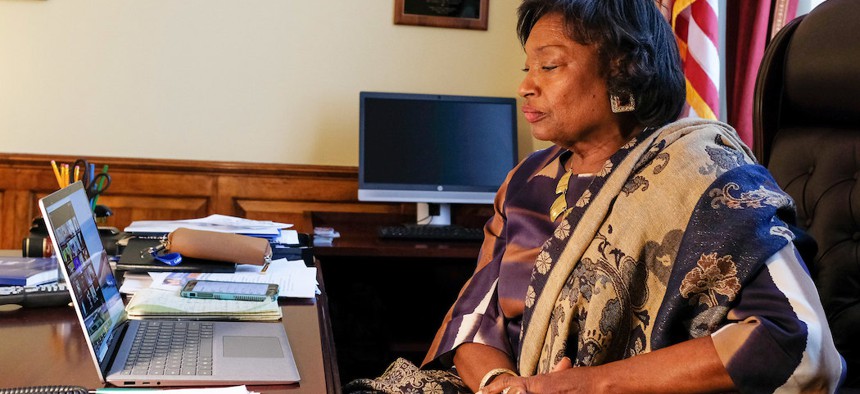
265	347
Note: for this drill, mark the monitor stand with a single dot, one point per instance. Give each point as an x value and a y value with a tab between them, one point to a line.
434	214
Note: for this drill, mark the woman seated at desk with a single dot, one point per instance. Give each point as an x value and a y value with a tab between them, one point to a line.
638	254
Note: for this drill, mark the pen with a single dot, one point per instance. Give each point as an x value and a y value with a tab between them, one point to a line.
101	186
102	179
77	173
57	173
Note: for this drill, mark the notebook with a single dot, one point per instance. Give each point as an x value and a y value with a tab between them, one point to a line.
218	353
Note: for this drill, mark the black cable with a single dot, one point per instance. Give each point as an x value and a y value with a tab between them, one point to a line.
45	390
421	221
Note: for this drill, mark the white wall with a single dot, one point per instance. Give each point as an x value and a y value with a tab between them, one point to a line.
256	81
804	6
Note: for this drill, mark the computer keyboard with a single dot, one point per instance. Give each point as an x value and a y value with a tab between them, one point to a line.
171	348
52	294
431	233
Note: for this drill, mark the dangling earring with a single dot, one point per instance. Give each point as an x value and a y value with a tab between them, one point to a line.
622	106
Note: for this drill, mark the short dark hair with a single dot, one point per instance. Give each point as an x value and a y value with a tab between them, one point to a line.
636	46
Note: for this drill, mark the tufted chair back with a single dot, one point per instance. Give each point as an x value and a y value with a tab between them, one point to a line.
807	132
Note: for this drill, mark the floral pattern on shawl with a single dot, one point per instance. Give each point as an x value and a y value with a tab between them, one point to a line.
403	377
556	244
592	344
619	299
712	276
750	199
723	158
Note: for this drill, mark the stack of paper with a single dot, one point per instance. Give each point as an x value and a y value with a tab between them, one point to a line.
132	282
151	302
159	297
219	223
324	236
294	279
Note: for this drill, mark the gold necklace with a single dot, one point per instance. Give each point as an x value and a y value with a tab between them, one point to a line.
559	206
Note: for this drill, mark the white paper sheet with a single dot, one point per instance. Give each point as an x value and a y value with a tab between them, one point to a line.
294	279
210	390
219	223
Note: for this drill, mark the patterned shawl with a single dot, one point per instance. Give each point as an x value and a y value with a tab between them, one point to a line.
654	251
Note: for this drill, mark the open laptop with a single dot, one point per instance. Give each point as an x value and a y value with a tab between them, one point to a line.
217	353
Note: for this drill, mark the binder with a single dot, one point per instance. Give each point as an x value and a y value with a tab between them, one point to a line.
131	259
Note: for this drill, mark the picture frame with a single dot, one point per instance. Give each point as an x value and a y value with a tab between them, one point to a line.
458	14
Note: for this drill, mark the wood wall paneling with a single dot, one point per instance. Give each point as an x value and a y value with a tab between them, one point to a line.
147	189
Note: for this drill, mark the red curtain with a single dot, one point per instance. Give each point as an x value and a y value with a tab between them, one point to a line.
749	27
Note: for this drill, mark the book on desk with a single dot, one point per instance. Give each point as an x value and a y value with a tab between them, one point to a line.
159	303
27	271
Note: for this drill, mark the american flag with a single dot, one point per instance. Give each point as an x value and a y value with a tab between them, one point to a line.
696	27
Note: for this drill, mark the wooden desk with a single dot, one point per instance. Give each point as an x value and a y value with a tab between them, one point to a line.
387	297
46	346
358	238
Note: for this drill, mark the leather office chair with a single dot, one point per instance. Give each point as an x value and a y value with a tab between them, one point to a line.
807	132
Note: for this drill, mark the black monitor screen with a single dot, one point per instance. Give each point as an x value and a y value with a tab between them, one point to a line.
436	144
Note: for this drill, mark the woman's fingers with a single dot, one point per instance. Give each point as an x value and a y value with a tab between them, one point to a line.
563	364
513	385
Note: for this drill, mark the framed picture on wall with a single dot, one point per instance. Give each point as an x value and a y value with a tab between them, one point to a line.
460	14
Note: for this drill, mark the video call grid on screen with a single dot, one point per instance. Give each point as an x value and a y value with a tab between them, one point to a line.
88	271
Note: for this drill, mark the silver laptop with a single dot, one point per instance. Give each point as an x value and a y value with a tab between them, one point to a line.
189	353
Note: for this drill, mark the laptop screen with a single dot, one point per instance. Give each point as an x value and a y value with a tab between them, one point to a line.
85	264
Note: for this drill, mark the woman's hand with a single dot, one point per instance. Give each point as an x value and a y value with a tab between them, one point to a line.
557	381
474	360
692	366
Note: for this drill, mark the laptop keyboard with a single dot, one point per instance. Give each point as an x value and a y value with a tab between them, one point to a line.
171	348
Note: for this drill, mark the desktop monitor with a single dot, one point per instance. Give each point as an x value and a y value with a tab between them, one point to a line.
438	149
